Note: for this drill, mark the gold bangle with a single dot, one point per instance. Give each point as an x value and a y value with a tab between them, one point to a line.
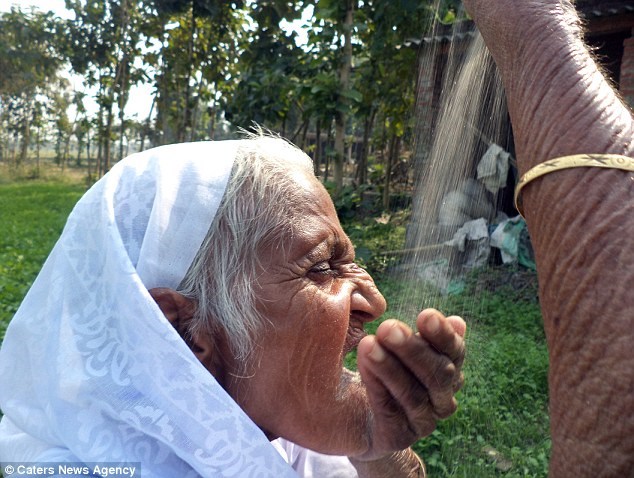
613	161
422	472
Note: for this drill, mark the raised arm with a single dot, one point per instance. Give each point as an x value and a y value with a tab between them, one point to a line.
581	223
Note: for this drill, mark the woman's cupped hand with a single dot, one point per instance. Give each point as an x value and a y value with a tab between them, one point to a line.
411	378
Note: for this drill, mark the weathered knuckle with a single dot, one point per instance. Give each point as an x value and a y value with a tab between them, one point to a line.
451	370
414	395
460	354
459	382
445	375
422	418
447	409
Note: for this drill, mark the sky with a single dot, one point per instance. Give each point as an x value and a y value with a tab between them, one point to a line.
56	6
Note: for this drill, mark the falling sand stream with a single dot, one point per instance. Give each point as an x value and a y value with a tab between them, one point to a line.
471	118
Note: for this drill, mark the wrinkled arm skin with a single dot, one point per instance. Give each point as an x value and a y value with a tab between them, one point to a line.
581	223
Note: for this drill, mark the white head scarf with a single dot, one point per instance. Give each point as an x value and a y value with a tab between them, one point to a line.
90	369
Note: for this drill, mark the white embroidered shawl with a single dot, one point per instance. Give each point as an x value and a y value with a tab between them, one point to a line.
90	369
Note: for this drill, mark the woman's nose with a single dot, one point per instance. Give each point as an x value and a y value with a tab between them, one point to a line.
367	303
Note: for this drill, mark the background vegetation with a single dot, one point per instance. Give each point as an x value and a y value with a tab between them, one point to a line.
341	89
501	427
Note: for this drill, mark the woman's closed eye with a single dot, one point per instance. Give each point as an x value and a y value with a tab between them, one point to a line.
323	268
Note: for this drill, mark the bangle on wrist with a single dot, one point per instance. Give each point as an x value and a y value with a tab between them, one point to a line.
610	161
421	472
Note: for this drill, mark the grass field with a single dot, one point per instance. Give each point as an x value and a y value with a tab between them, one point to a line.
32	215
501	427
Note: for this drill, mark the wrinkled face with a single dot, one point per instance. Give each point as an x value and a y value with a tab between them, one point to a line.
317	301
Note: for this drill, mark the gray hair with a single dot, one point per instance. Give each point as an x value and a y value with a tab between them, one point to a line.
257	209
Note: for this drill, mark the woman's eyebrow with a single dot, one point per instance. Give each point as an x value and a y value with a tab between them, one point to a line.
334	245
342	246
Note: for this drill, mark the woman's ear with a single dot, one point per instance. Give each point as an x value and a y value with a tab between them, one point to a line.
179	311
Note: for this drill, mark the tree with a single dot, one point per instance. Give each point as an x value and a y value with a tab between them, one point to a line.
190	86
63	127
271	69
345	68
112	30
336	22
30	65
386	66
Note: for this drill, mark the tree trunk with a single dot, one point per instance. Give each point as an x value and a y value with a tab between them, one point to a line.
106	140
327	155
317	152
121	135
344	82
193	133
12	152
212	122
99	160
392	153
122	73
37	152
301	129
146	129
122	102
58	148
66	151
304	133
88	161
186	120
80	146
362	164
26	137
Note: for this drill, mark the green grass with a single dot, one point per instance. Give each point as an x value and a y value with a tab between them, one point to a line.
32	215
501	427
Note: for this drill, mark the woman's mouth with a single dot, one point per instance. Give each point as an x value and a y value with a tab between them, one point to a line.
353	337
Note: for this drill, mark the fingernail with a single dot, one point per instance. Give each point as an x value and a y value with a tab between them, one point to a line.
377	353
432	324
395	336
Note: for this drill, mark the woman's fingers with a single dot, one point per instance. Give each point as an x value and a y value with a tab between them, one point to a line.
422	362
411	378
401	408
445	334
411	381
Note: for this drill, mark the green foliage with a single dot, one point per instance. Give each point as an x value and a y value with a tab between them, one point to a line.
196	67
348	200
372	237
272	68
29	60
32	217
212	62
29	64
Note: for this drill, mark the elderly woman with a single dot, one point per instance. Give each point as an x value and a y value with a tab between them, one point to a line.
197	307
